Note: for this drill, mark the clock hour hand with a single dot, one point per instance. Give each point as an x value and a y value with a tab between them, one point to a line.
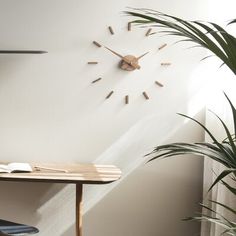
142	55
116	53
131	62
134	61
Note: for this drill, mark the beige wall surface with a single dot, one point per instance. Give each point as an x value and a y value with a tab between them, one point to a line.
50	111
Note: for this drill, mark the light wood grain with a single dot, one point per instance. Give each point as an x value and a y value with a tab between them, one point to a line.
148	32
97	44
162	46
96	80
145	95
111	30
76	173
78	209
109	94
129	26
127	99
159	84
92	62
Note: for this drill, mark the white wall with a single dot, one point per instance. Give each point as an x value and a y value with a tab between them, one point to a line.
153	199
51	112
49	108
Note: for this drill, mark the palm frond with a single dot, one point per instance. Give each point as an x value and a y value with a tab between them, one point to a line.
222	44
229	187
233	110
222	175
217	218
219	222
229	136
224	206
207	35
223	152
232	21
200	149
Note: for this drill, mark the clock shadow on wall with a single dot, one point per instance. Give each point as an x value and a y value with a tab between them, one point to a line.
126	64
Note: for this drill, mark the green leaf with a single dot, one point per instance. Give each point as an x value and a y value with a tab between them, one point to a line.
233	112
229	136
207	35
232	21
224	206
230	188
219	222
222	175
208	132
200	149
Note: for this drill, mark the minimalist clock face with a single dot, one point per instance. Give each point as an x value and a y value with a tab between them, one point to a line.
129	62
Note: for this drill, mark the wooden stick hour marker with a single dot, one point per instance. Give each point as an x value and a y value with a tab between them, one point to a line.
127	99
159	84
96	80
148	32
129	26
145	95
92	62
111	30
97	44
165	64
109	94
162	46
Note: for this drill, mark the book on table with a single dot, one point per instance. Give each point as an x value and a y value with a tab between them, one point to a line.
15	167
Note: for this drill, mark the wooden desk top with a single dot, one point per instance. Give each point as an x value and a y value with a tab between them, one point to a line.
75	173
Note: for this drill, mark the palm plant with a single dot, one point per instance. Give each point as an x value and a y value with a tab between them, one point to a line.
223	45
223	152
207	35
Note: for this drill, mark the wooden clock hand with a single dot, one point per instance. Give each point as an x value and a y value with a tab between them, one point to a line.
132	62
142	55
116	53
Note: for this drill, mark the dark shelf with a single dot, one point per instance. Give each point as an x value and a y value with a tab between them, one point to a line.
11	228
22	52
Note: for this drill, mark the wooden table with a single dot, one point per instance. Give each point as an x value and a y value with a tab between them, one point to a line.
77	174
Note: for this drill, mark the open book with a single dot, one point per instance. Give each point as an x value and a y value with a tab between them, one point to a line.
15	168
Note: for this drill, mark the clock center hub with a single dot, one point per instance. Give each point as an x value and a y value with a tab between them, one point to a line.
129	63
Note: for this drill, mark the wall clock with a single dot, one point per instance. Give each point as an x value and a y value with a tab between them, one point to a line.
126	61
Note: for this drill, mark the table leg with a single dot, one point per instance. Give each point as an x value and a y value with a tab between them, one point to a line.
78	213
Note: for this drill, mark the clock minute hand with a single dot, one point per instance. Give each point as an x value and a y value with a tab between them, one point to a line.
124	58
135	64
142	55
